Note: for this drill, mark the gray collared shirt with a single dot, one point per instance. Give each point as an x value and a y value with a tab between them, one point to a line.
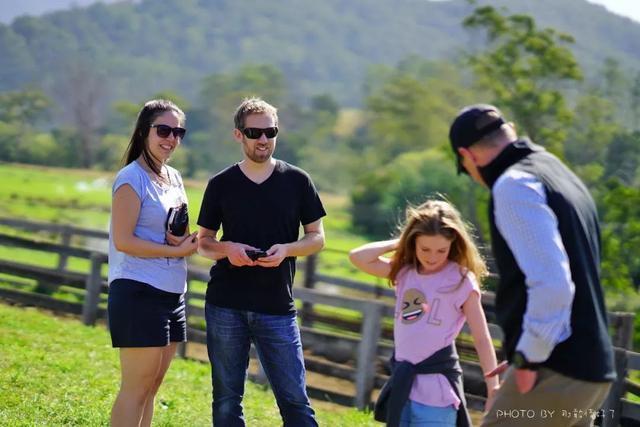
530	228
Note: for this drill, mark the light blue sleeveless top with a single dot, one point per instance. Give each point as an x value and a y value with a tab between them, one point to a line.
167	274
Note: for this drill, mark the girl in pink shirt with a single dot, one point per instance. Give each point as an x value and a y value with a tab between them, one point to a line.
435	267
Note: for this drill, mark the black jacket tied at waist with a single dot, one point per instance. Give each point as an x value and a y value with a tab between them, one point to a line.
395	392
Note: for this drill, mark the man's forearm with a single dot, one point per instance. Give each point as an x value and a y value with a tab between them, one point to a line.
310	243
211	248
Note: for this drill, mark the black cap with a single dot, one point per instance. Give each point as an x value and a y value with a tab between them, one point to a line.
473	123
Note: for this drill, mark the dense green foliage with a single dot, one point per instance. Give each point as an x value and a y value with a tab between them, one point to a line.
134	49
312	61
523	68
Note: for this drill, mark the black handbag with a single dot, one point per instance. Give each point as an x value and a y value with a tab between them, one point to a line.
177	220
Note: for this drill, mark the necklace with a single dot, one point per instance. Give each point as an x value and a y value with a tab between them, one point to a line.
162	180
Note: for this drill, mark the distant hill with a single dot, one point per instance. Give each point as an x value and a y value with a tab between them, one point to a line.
12	8
136	49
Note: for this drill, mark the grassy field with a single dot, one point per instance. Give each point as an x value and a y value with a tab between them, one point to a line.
56	371
83	198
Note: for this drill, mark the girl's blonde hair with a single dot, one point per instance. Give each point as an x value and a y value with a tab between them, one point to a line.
432	218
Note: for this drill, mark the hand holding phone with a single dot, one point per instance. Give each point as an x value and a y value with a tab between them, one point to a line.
254	254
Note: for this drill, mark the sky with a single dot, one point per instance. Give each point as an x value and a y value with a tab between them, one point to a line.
628	8
9	9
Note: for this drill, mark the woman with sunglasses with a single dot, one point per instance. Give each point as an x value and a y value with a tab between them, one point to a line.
147	265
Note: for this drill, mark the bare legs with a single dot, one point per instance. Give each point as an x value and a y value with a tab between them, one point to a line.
143	370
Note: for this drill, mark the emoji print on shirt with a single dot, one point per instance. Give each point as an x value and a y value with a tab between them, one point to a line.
414	306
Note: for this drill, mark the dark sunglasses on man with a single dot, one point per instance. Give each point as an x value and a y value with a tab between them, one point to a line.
255	133
164	131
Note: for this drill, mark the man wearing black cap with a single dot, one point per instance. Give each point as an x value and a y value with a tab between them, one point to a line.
549	302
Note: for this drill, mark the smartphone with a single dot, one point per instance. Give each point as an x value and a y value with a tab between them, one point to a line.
255	254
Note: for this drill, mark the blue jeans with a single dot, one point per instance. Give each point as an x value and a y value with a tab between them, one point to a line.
416	414
277	341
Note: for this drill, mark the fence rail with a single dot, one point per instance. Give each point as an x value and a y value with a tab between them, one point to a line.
357	348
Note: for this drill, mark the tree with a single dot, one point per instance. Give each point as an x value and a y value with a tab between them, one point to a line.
635	102
81	92
409	108
312	141
221	93
211	144
381	195
20	111
523	68
613	81
403	140
590	134
620	207
26	107
402	112
623	159
18	67
620	91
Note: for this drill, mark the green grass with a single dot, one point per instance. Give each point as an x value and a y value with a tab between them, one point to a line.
78	197
83	197
56	371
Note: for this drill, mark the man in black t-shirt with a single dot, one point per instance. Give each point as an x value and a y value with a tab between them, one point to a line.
260	204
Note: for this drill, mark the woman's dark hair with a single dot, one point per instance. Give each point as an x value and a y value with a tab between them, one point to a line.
138	144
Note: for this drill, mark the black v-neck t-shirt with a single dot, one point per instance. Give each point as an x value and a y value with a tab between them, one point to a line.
259	215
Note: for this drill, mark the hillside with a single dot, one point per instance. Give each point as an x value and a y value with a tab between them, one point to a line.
136	49
12	9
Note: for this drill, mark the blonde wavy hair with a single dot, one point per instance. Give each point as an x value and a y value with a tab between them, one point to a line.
432	218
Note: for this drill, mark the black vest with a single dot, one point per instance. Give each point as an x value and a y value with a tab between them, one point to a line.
587	354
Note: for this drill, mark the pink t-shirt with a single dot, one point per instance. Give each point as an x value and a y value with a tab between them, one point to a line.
419	333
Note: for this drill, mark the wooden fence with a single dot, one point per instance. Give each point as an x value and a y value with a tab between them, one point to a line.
354	348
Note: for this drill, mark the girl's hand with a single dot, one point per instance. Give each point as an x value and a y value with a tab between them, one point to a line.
491	397
525	378
502	366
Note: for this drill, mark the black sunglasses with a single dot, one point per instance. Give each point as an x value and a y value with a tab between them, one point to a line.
255	133
164	131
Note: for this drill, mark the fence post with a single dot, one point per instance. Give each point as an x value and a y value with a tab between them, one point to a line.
367	350
310	266
623	327
612	407
66	241
378	291
92	287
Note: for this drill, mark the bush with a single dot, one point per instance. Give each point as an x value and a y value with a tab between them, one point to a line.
381	196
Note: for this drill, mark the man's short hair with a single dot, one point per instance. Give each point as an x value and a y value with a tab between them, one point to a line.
253	106
472	124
